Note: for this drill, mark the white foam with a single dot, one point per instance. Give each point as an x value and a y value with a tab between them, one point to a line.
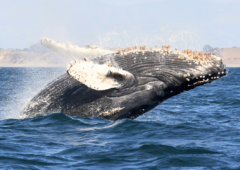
73	51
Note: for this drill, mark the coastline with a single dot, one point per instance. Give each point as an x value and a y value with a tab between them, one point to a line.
39	56
32	66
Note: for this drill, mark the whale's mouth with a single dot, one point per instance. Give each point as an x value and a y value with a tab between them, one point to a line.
207	68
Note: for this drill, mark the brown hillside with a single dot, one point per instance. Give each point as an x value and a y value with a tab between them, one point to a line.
17	58
230	56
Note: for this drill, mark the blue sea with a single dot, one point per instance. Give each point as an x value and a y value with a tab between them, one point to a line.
197	129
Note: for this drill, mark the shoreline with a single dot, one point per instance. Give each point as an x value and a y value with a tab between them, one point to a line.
32	66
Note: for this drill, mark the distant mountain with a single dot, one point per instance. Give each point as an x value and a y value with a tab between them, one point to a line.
35	56
37	48
39	56
230	56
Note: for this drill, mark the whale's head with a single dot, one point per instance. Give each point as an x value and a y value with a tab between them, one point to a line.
138	80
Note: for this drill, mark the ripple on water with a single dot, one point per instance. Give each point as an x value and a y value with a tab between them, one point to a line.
198	129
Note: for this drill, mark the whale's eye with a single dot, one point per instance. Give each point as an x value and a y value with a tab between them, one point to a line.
118	77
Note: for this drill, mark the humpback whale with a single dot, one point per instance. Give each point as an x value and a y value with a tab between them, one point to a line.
121	84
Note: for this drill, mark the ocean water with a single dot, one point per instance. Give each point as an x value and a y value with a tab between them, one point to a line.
197	129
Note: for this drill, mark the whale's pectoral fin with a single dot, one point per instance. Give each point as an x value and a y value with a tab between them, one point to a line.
100	77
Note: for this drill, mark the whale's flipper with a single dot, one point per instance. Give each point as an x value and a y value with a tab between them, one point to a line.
74	52
100	77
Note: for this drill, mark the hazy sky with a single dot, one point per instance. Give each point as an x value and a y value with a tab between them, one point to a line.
121	23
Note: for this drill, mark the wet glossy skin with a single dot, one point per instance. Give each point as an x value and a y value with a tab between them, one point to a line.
157	76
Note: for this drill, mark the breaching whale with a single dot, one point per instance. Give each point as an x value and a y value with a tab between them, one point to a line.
121	84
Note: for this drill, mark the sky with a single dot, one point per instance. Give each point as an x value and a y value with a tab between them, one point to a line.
121	23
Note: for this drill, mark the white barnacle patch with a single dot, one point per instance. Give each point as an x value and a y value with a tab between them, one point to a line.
149	87
111	112
96	76
108	64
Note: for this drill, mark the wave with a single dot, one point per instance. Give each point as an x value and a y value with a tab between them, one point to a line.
198	129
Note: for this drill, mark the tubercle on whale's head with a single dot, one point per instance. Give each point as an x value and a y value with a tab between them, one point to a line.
188	53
